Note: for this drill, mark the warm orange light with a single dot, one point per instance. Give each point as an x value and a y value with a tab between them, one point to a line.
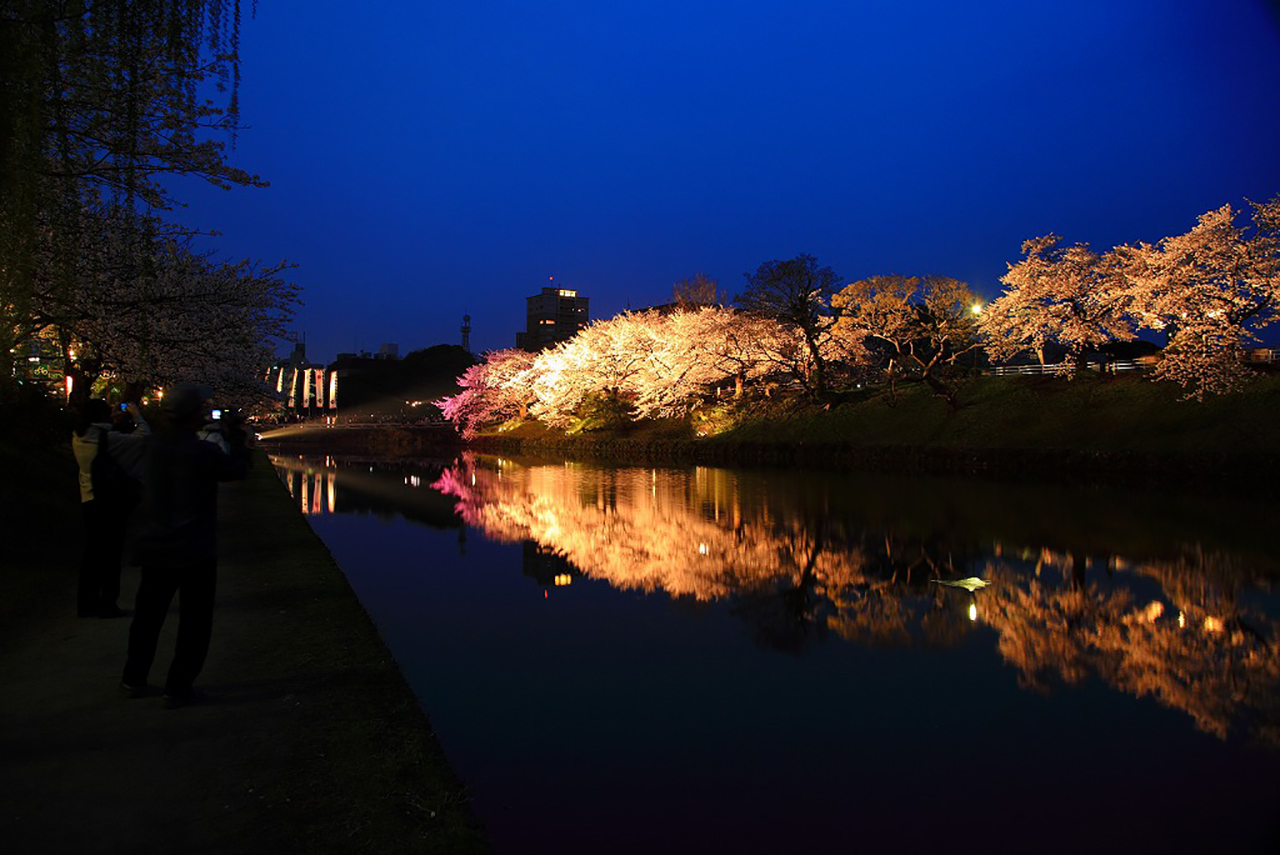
1213	624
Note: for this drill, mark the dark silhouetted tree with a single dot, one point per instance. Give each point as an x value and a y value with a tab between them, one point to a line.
797	293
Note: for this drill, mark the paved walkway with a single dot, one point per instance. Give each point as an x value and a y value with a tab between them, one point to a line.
311	740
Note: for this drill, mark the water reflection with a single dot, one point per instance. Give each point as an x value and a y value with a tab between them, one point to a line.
384	488
1190	625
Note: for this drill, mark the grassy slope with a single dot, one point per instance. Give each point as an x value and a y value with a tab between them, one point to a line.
1088	414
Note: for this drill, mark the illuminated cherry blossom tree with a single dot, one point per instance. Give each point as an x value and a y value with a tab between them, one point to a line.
493	391
728	344
1208	291
922	325
134	301
184	316
1066	295
680	372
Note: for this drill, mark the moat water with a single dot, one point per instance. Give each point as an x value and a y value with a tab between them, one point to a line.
700	659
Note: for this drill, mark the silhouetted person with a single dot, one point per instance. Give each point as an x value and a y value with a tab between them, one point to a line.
111	470
177	544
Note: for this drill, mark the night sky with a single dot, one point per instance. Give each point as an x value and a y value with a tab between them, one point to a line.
431	159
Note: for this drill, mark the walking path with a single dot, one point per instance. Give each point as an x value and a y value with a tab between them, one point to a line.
310	741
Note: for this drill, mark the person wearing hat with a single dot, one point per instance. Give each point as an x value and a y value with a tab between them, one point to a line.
177	543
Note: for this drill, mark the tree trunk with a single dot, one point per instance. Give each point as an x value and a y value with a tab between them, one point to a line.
819	386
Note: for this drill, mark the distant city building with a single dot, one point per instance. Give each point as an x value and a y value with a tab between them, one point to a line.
389	351
466	333
555	315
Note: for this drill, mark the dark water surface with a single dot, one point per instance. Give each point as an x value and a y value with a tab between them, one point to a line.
697	659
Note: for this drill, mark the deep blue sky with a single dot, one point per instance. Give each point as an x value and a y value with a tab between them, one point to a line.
430	159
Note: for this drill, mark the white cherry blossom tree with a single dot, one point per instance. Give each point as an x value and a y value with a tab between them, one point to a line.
921	325
1208	291
1067	295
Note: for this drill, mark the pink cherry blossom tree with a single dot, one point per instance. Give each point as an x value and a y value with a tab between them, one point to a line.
493	391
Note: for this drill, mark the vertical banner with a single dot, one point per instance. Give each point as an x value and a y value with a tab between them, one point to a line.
320	388
333	390
306	388
280	381
293	386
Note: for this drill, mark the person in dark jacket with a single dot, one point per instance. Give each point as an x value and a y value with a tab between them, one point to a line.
105	506
177	543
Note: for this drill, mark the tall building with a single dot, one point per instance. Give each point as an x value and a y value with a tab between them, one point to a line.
552	316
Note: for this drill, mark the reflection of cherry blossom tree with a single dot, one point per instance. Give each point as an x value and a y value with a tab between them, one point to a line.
1201	655
794	576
